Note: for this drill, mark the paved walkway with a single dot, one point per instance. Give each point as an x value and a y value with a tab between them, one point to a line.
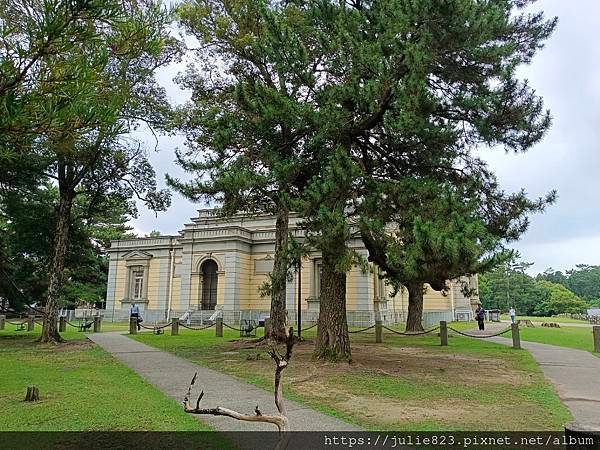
575	373
172	375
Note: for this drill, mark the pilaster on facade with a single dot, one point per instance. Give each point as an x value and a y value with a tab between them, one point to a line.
233	273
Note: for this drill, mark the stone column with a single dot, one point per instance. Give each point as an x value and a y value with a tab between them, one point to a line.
219	327
133	325
97	324
597	338
2	322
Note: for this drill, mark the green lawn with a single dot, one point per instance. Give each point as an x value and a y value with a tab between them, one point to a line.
573	337
580	338
545	319
407	383
82	388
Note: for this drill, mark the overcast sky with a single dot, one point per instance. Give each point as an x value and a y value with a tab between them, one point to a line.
565	73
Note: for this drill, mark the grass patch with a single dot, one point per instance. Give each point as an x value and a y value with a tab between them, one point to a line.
556	319
407	383
580	338
82	388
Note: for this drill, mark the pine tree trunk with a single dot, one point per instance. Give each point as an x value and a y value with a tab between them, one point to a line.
278	329
332	341
61	237
415	307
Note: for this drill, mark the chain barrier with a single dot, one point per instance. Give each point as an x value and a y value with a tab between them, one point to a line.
480	336
196	328
87	324
17	323
361	331
412	333
39	322
154	327
310	328
235	329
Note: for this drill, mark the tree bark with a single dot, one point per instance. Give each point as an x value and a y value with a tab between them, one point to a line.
278	330
61	237
415	307
332	341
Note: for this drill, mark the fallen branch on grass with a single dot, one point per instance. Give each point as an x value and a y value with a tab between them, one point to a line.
280	420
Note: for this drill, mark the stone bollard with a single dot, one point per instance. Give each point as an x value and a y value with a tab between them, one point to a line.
2	322
515	335
31	323
174	326
597	338
443	333
219	327
133	325
378	332
97	324
267	327
62	324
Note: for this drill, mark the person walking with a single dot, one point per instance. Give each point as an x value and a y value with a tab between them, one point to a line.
135	313
480	317
513	314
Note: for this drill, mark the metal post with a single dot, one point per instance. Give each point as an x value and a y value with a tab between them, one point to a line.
515	335
174	326
378	331
62	324
219	327
597	338
444	333
133	325
30	323
300	299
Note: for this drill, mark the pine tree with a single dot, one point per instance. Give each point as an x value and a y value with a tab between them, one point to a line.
246	123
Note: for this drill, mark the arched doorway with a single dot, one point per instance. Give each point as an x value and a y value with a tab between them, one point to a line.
209	284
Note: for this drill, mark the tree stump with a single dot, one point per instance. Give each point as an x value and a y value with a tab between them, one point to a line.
33	394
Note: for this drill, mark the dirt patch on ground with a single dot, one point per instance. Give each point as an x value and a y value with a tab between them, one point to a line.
450	413
331	384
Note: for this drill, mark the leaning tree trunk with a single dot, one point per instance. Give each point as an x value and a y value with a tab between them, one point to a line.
61	237
278	317
415	307
332	341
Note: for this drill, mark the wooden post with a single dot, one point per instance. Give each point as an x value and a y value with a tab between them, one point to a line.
62	324
33	394
133	325
219	327
97	324
30	323
2	322
515	335
174	326
597	338
378	332
268	326
444	333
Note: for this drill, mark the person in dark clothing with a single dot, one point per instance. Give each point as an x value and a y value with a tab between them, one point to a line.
480	317
135	313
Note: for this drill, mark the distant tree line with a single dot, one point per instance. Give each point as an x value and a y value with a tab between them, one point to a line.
548	293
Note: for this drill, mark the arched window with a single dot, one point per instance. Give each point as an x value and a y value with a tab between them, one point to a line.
209	284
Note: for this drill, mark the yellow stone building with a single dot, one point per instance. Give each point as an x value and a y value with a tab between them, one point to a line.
218	264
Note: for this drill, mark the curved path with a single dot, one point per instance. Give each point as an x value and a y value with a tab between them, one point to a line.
172	375
575	373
